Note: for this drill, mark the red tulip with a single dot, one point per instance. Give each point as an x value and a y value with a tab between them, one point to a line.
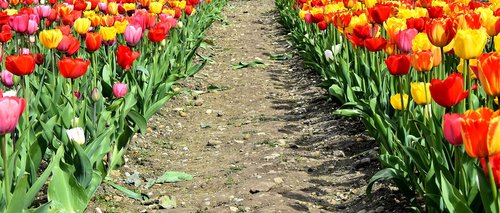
450	91
73	67
69	44
417	23
375	44
157	34
125	57
322	25
11	108
93	41
435	12
452	129
20	64
380	12
441	31
39	59
6	34
495	167
398	64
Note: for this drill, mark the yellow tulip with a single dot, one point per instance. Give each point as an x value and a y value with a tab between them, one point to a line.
420	93
112	8
108	33
490	26
82	25
356	20
51	38
11	12
87	14
120	26
370	3
168	12
396	101
470	43
496	39
393	25
421	42
155	7
129	6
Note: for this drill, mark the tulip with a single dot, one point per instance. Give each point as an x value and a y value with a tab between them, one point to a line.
82	25
43	10
32	27
39	59
420	93
396	101
51	38
6	34
441	31
480	132
404	39
133	35
422	60
11	109
472	67
7	78
488	72
73	67
470	43
20	64
96	94
393	25
69	44
421	42
416	23
380	13
157	34
93	42
452	128
19	23
435	12
398	64
125	57
120	26
76	135
375	44
120	90
107	33
155	7
448	92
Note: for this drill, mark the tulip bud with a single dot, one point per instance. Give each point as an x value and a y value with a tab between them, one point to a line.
10	93
77	95
180	24
75	121
120	90
76	135
39	59
96	94
7	78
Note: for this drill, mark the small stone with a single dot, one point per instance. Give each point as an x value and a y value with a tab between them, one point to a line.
379	209
185	149
262	187
183	114
207	203
98	210
220	114
272	156
362	211
209	111
198	102
239	141
233	209
214	142
339	153
278	180
281	142
246	136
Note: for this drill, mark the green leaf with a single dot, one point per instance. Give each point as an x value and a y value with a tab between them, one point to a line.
251	64
129	193
390	174
138	120
16	203
172	177
281	57
453	199
83	166
64	191
216	88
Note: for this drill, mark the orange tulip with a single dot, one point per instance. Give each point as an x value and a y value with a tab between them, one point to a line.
488	72
441	31
422	60
479	132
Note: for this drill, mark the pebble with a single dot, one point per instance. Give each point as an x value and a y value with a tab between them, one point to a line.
233	209
185	149
214	142
246	136
209	111
261	187
281	142
272	156
207	203
98	210
362	211
379	209
278	180
198	102
183	114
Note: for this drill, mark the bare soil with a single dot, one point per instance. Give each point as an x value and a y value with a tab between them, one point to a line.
264	141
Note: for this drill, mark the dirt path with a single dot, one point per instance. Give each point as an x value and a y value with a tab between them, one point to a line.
265	143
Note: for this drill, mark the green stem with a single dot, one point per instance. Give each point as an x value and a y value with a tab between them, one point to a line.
400	78
6	173
73	100
492	183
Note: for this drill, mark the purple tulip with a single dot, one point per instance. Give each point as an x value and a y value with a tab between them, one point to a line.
7	78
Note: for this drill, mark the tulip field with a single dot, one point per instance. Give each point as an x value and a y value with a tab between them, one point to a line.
423	76
79	79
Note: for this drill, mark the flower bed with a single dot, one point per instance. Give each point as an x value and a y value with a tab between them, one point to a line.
80	78
422	76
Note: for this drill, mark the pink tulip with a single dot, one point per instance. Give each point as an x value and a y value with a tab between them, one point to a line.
404	39
120	90
4	4
19	22
32	27
11	109
170	20
133	34
24	51
103	6
7	78
452	129
308	18
35	17
43	10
